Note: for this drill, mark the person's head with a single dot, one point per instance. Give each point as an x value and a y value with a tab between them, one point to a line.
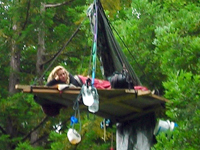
59	73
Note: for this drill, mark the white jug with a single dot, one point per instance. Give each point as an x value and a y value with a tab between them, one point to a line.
73	136
163	126
87	96
95	106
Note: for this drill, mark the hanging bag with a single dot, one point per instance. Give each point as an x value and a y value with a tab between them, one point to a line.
121	80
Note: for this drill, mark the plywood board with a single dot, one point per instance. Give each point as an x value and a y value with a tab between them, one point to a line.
117	104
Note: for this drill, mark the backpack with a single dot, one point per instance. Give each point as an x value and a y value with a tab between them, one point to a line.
120	81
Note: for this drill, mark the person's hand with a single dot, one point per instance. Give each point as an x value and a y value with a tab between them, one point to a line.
56	77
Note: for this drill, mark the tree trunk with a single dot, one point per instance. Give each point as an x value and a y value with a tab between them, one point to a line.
40	62
41	46
14	68
13	80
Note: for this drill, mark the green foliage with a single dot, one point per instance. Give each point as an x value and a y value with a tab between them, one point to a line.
162	38
176	44
176	41
5	139
183	90
136	29
59	141
17	115
27	146
91	136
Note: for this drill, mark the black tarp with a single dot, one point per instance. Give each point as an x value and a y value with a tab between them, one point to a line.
108	50
135	134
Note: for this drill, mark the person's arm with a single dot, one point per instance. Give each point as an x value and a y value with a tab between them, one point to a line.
54	82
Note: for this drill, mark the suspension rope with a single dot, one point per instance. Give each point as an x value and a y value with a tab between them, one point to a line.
119	55
94	51
90	66
127	48
132	56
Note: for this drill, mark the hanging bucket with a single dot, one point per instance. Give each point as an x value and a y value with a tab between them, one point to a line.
73	136
163	126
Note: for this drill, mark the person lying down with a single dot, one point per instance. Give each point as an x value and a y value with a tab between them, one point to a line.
59	75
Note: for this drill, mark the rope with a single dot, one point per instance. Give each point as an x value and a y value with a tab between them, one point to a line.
52	60
77	111
94	52
127	48
111	142
147	78
90	66
119	53
104	125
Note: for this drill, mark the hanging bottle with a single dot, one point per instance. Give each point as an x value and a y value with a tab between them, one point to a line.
95	106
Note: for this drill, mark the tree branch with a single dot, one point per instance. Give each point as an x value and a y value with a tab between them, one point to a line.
2	130
43	121
57	5
27	15
46	135
40	139
59	52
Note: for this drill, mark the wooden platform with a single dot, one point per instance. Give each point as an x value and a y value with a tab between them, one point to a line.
119	105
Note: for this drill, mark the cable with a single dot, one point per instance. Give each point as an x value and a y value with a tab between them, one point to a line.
127	48
116	48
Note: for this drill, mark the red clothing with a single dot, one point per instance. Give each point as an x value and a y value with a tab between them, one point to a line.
104	84
99	84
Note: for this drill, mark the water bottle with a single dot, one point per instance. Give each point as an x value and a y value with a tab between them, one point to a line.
95	106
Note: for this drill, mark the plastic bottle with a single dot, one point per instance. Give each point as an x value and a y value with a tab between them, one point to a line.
95	106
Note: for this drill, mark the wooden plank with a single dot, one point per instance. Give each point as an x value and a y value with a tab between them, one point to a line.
117	104
138	92
54	89
20	87
46	91
160	98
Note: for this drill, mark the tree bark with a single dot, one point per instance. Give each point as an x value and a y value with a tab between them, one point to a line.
14	68
13	80
41	46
